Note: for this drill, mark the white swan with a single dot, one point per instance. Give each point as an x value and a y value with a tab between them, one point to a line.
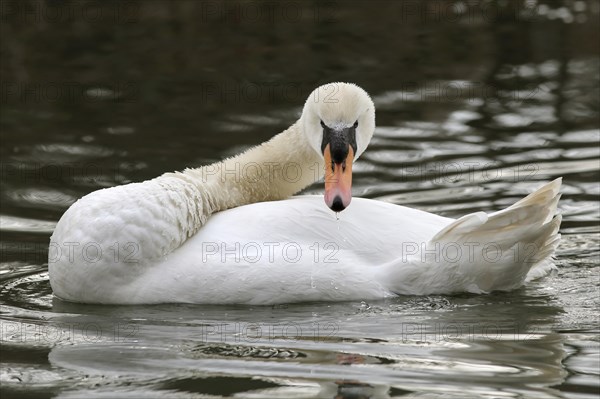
143	243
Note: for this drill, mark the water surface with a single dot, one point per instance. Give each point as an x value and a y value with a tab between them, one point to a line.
476	106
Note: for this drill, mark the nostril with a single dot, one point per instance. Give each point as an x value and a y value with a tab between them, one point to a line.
337	205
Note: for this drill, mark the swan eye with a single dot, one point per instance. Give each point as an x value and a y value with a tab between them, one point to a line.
322	125
355	124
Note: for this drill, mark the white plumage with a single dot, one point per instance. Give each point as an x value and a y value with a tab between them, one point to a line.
156	241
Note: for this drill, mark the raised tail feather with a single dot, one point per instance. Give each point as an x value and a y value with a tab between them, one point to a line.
509	247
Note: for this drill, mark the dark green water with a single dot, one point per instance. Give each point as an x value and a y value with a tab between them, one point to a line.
477	104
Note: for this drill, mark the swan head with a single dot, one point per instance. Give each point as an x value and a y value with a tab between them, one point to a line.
338	120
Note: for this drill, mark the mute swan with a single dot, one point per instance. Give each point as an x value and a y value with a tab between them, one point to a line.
153	242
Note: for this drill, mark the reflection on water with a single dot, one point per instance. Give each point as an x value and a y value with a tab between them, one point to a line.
477	103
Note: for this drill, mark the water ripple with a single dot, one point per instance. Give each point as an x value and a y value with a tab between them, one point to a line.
13	223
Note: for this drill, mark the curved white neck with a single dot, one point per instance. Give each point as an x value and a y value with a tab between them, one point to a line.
274	170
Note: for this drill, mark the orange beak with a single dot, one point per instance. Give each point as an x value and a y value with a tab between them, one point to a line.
338	181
